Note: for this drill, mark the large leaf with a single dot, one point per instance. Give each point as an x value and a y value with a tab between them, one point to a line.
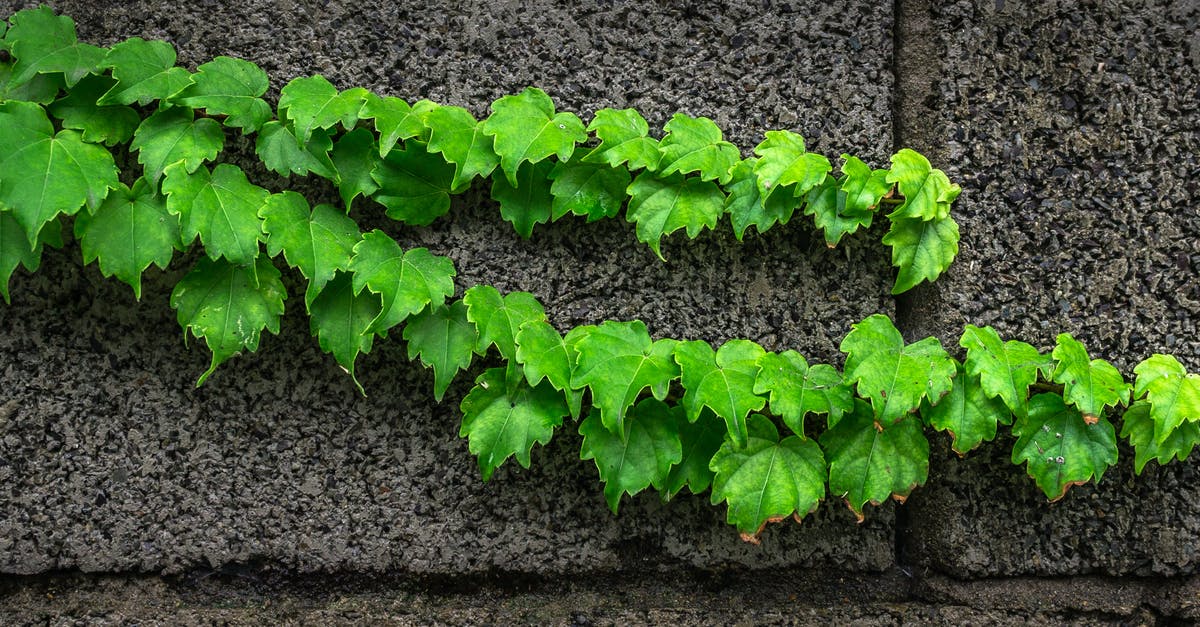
895	377
638	456
408	281
1090	385
1005	369
921	249
797	389
721	380
414	185
129	231
663	206
499	318
587	189
767	479
1060	448
696	145
500	423
318	243
967	413
748	206
396	120
1140	428
1173	394
44	43
868	464
529	203
221	208
622	135
229	306
232	88
456	134
617	360
341	319
526	128
109	125
145	71
312	103
927	192
282	153
783	162
444	340
172	136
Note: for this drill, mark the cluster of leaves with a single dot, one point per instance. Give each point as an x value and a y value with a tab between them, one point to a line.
659	413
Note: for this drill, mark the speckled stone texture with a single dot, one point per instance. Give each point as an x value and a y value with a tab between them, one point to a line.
1073	131
110	461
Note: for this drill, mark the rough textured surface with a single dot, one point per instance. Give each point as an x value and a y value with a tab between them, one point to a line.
111	462
1073	132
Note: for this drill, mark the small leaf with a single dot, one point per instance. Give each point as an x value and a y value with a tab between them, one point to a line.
396	120
700	441
499	318
617	360
826	203
1060	448
638	456
927	192
501	424
355	161
784	162
663	206
445	341
585	189
526	128
1173	394
145	71
172	136
921	249
967	413
721	380
892	375
313	103
863	187
44	43
221	208
868	464
283	154
229	87
1140	428
129	231
318	243
341	319
456	134
414	185
1005	369
1088	385
107	125
15	250
696	145
529	203
408	281
747	206
796	389
623	139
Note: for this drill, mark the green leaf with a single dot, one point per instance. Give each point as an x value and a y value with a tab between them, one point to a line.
529	203
892	375
968	414
1140	428
15	250
863	187
868	464
172	136
696	145
1060	448
355	161
747	206
396	120
444	339
131	230
500	424
721	380
313	103
1088	385
526	128
826	203
78	110
617	360
1173	394
768	479
456	134
586	189
341	319
44	43
700	441
663	206
221	208
43	89
283	154
927	192
228	306
1005	369
783	162
408	281
623	139
543	353
318	243
640	455
414	185
229	87
499	318
796	389
42	174
921	249
145	71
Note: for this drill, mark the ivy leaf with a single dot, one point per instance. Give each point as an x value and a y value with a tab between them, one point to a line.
1005	369
543	353
1173	394
617	360
129	231
638	456
413	184
623	139
501	424
456	134
796	389
696	145
927	192
15	249
78	110
767	479
230	87
45	43
172	136
283	154
42	174
408	281
586	189
526	128
967	413
529	203
1060	448
747	206
499	318
868	464
145	71
444	339
663	206
355	161
1089	385
892	375
313	103
700	441
721	380
396	120
1140	428
826	203
922	249
221	208
784	162
863	187
228	306
43	89
341	319
318	243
